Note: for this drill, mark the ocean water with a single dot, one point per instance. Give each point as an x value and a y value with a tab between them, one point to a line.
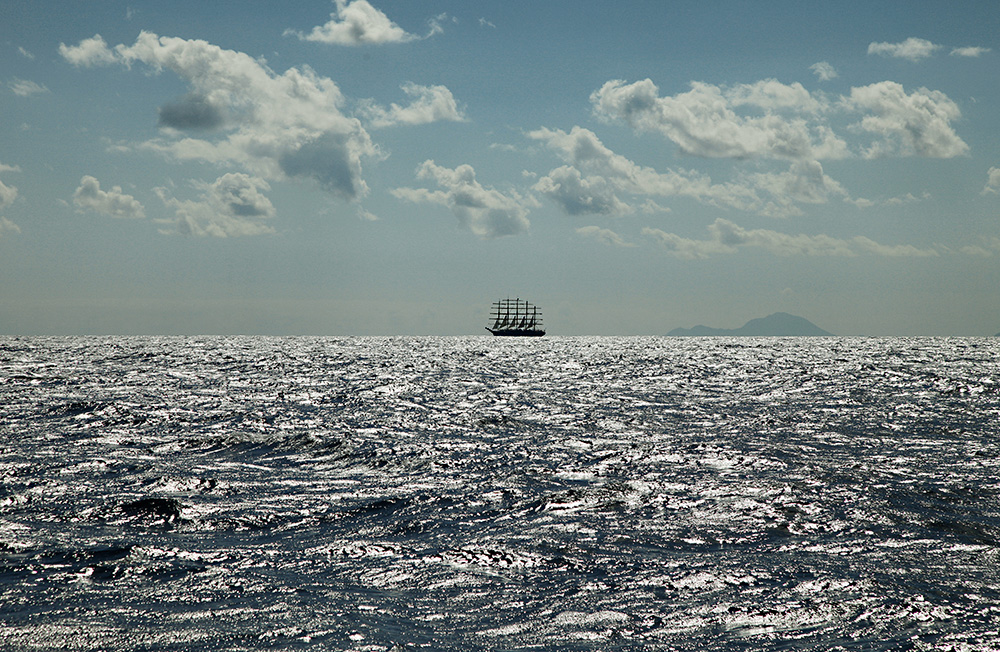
499	494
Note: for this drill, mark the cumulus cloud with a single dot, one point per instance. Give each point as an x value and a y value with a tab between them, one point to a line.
824	71
487	212
912	49
579	195
7	193
25	88
910	123
604	236
969	52
769	119
597	178
233	205
193	111
803	183
93	51
430	104
726	237
114	202
273	125
359	23
608	173
992	182
704	121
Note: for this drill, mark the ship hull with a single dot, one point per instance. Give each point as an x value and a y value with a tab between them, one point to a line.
516	332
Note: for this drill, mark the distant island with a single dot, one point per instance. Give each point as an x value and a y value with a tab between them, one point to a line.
780	324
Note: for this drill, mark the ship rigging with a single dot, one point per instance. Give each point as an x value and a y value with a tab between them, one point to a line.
515	318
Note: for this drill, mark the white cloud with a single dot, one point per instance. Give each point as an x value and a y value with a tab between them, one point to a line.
26	88
487	212
704	120
992	182
25	53
824	71
709	120
803	183
908	198
275	126
430	104
6	226
7	196
910	123
359	23
114	202
726	237
7	193
912	49
687	248
605	236
893	251
607	173
90	52
233	205
579	195
367	215
984	250
597	177
969	52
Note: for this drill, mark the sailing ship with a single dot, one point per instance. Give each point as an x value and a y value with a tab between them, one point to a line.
515	318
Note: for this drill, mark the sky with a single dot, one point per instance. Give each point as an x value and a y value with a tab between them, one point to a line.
391	167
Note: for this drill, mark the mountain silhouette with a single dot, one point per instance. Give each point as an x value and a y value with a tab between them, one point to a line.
780	324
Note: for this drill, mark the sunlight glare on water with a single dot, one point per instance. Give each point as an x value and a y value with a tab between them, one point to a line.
499	494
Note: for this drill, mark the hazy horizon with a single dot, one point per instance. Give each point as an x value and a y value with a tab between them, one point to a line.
381	167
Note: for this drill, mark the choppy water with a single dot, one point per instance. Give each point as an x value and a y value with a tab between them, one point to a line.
496	494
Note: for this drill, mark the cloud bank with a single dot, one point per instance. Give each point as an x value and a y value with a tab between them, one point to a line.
713	122
726	237
596	178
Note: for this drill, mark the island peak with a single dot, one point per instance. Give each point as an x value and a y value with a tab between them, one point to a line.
779	324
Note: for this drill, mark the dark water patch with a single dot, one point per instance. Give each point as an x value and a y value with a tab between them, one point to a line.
61	565
146	512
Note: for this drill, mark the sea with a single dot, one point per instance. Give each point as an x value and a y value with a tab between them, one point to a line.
478	493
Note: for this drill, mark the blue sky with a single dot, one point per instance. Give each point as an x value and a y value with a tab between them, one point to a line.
391	167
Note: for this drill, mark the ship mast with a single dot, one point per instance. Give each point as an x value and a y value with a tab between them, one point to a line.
515	317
